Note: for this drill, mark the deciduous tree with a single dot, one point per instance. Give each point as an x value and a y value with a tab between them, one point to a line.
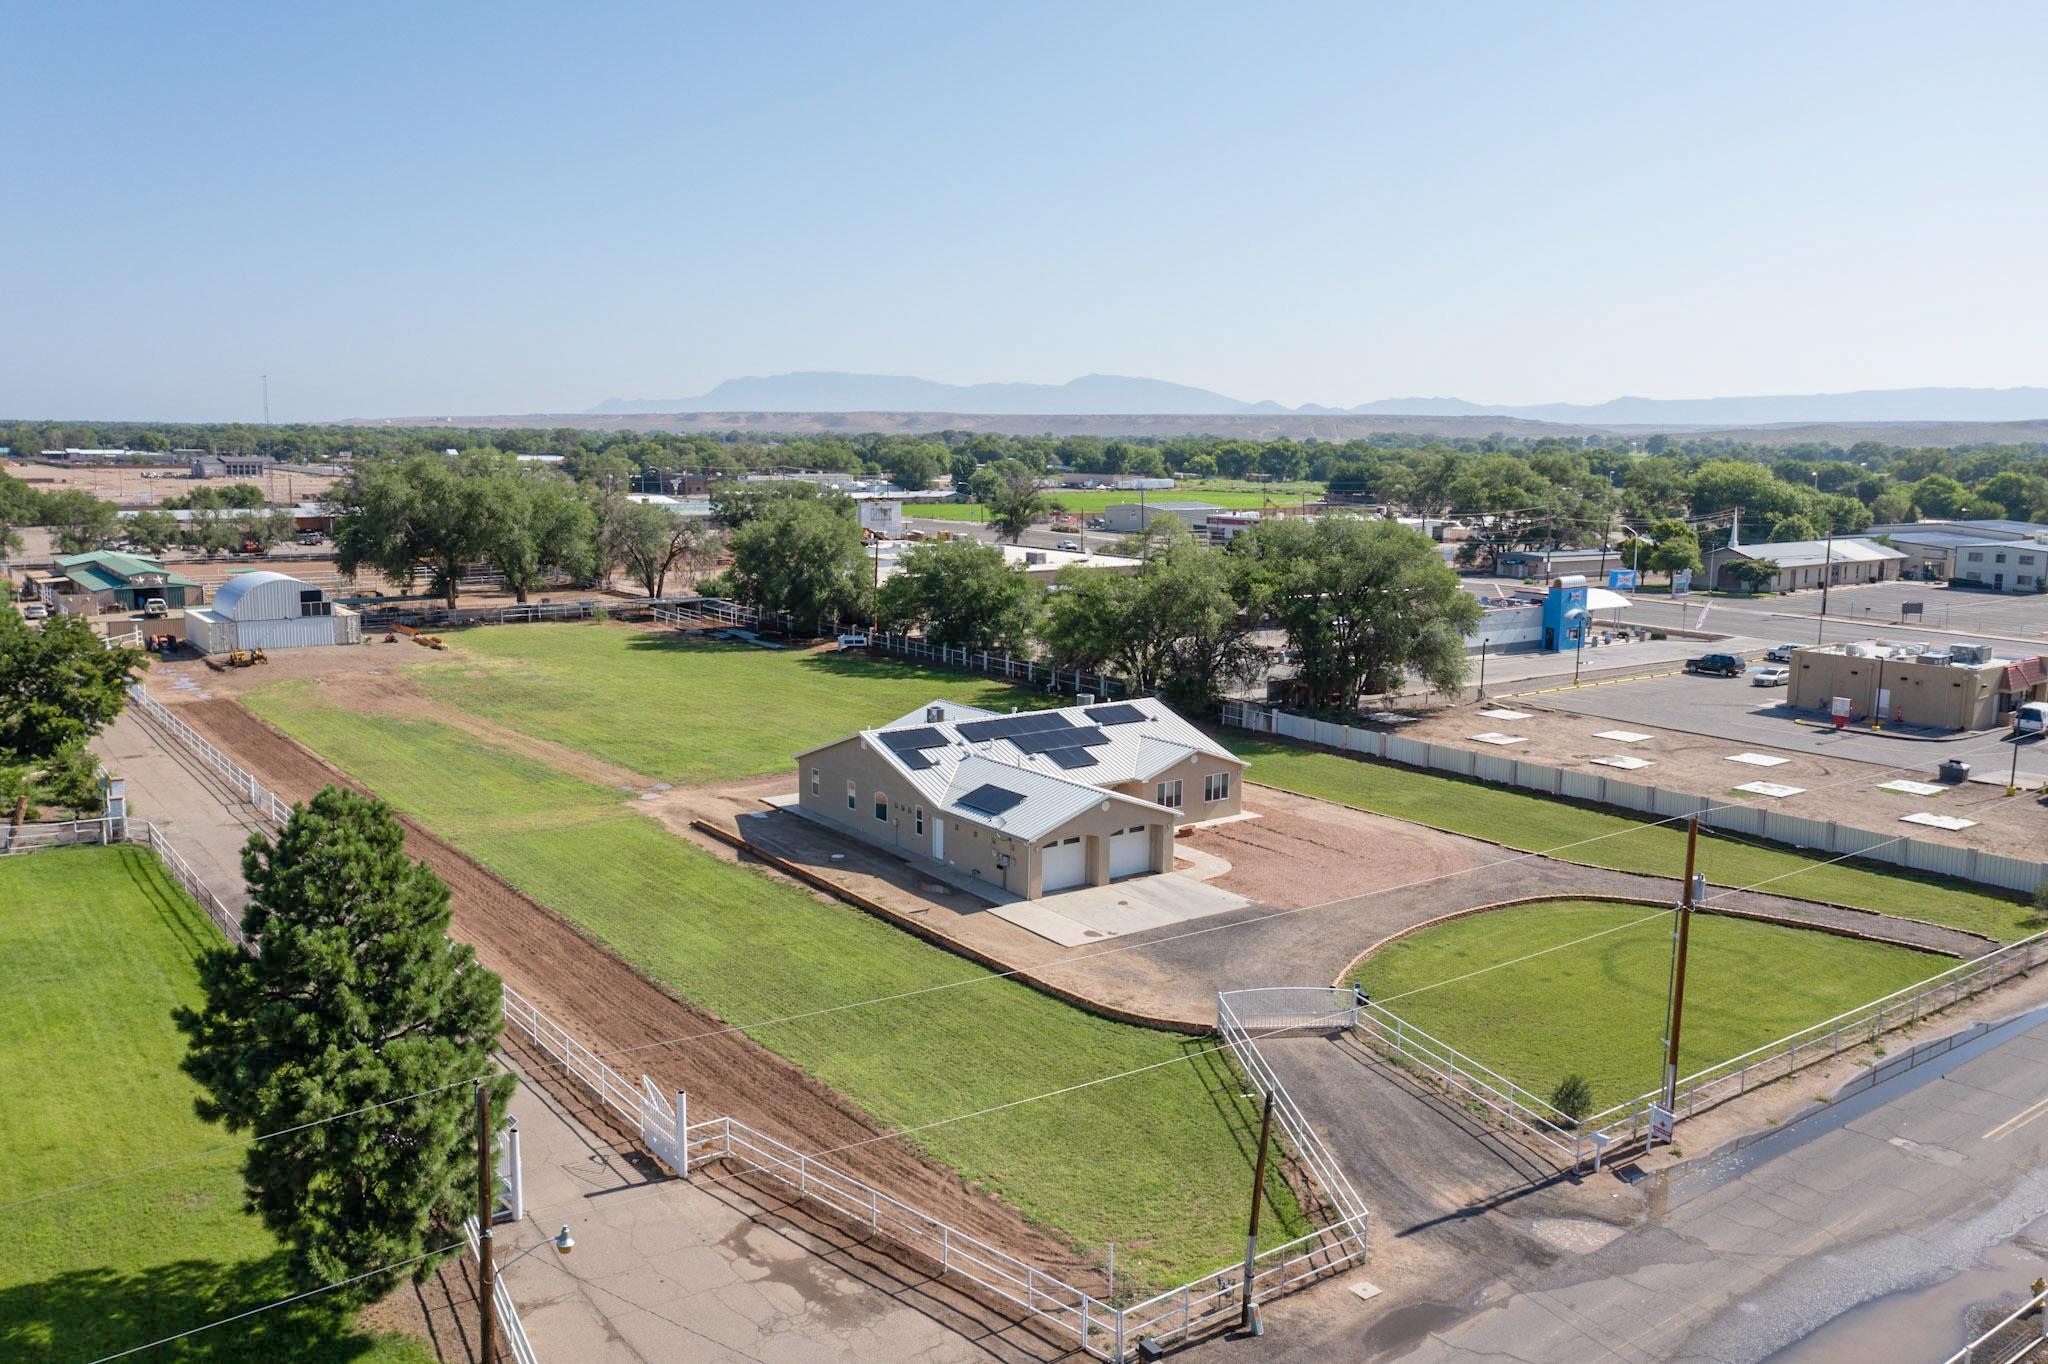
963	594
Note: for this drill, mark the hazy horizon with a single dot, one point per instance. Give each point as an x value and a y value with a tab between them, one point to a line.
513	209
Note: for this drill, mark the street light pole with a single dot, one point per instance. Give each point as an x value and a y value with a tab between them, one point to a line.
1827	576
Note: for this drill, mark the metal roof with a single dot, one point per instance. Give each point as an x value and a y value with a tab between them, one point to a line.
1812	553
1059	761
227	600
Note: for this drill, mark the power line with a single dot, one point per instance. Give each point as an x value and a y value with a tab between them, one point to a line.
281	1302
234	1145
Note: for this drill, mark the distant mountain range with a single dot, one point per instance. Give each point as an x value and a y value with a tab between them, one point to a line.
1118	395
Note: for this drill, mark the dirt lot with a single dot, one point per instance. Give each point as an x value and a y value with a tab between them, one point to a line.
127	487
612	1007
1834	788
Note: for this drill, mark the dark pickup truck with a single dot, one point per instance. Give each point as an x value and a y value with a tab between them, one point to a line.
1715	665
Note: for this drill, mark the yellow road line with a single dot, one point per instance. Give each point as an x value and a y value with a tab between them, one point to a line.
2016	1121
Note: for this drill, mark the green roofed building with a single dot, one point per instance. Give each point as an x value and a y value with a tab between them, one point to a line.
111	581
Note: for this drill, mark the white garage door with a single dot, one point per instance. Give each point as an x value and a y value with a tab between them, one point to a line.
1130	851
1063	866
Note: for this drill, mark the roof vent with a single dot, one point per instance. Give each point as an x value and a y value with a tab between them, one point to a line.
1084	698
934	715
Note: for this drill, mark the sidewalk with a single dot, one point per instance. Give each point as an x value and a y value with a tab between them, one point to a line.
206	822
710	1270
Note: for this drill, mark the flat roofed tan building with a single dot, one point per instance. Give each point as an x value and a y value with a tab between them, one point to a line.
1963	687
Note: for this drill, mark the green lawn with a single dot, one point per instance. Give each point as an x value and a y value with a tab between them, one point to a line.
686	711
1156	1163
1538	823
1092	501
1598	1007
98	946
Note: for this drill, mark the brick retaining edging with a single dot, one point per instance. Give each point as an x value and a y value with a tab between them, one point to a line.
1344	977
947	942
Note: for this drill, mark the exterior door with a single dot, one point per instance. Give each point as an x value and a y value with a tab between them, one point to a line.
1062	866
938	840
1130	852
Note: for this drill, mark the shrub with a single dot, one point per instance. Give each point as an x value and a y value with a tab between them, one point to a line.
1573	1099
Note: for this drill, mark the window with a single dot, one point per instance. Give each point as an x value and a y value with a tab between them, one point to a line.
1216	786
881	807
918	816
852	796
1976	557
313	602
1169	794
817	783
1999	559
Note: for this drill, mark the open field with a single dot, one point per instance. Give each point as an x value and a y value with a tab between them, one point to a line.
1155	1163
124	485
687	711
99	946
1623	842
1597	1007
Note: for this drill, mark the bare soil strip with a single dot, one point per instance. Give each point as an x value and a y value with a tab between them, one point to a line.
610	1005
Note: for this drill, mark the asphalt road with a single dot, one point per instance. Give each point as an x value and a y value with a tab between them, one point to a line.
1892	1192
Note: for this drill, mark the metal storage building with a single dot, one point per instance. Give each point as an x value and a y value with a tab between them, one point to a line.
268	610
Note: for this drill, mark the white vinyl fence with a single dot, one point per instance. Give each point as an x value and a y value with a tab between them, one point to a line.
1749	820
104	833
247	788
1094	1325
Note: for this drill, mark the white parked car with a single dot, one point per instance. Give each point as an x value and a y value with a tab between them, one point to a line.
1774	676
2031	718
847	642
34	610
1070	546
1780	653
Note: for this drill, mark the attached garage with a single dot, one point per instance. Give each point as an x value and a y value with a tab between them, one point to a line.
1063	865
1130	851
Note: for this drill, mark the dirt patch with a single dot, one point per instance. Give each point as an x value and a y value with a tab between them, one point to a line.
612	1007
1302	851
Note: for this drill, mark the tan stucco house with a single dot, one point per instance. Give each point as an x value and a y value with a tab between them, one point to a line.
1033	803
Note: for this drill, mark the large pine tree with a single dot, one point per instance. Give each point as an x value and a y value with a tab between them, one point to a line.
355	998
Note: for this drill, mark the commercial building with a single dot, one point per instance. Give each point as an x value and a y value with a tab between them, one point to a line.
266	610
2002	565
1032	803
229	466
1128	518
1959	686
87	584
1547	564
1806	563
1042	564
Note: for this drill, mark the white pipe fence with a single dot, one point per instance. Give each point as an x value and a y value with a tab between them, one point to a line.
245	786
107	831
508	1311
1096	1326
2004	1345
1745	820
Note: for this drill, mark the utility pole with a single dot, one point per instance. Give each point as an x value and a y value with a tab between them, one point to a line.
1682	937
486	1281
1827	574
1251	1240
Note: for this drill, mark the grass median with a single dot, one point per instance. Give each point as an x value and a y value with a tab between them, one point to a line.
1156	1163
1542	990
1599	838
100	946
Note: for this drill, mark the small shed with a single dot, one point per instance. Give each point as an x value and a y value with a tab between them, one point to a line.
268	610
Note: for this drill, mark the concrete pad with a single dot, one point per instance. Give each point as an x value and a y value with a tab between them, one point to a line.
1911	788
1623	736
1094	913
1503	713
1494	737
1758	759
1770	788
1950	822
1621	760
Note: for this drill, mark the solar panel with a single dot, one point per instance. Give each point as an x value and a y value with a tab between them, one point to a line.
911	740
980	731
1071	758
917	760
990	799
1087	737
1115	715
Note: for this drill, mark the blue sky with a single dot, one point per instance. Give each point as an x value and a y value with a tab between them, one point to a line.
422	209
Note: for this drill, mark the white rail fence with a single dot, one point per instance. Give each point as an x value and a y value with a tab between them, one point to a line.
106	832
1093	1324
245	786
2010	1340
1753	821
501	1296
